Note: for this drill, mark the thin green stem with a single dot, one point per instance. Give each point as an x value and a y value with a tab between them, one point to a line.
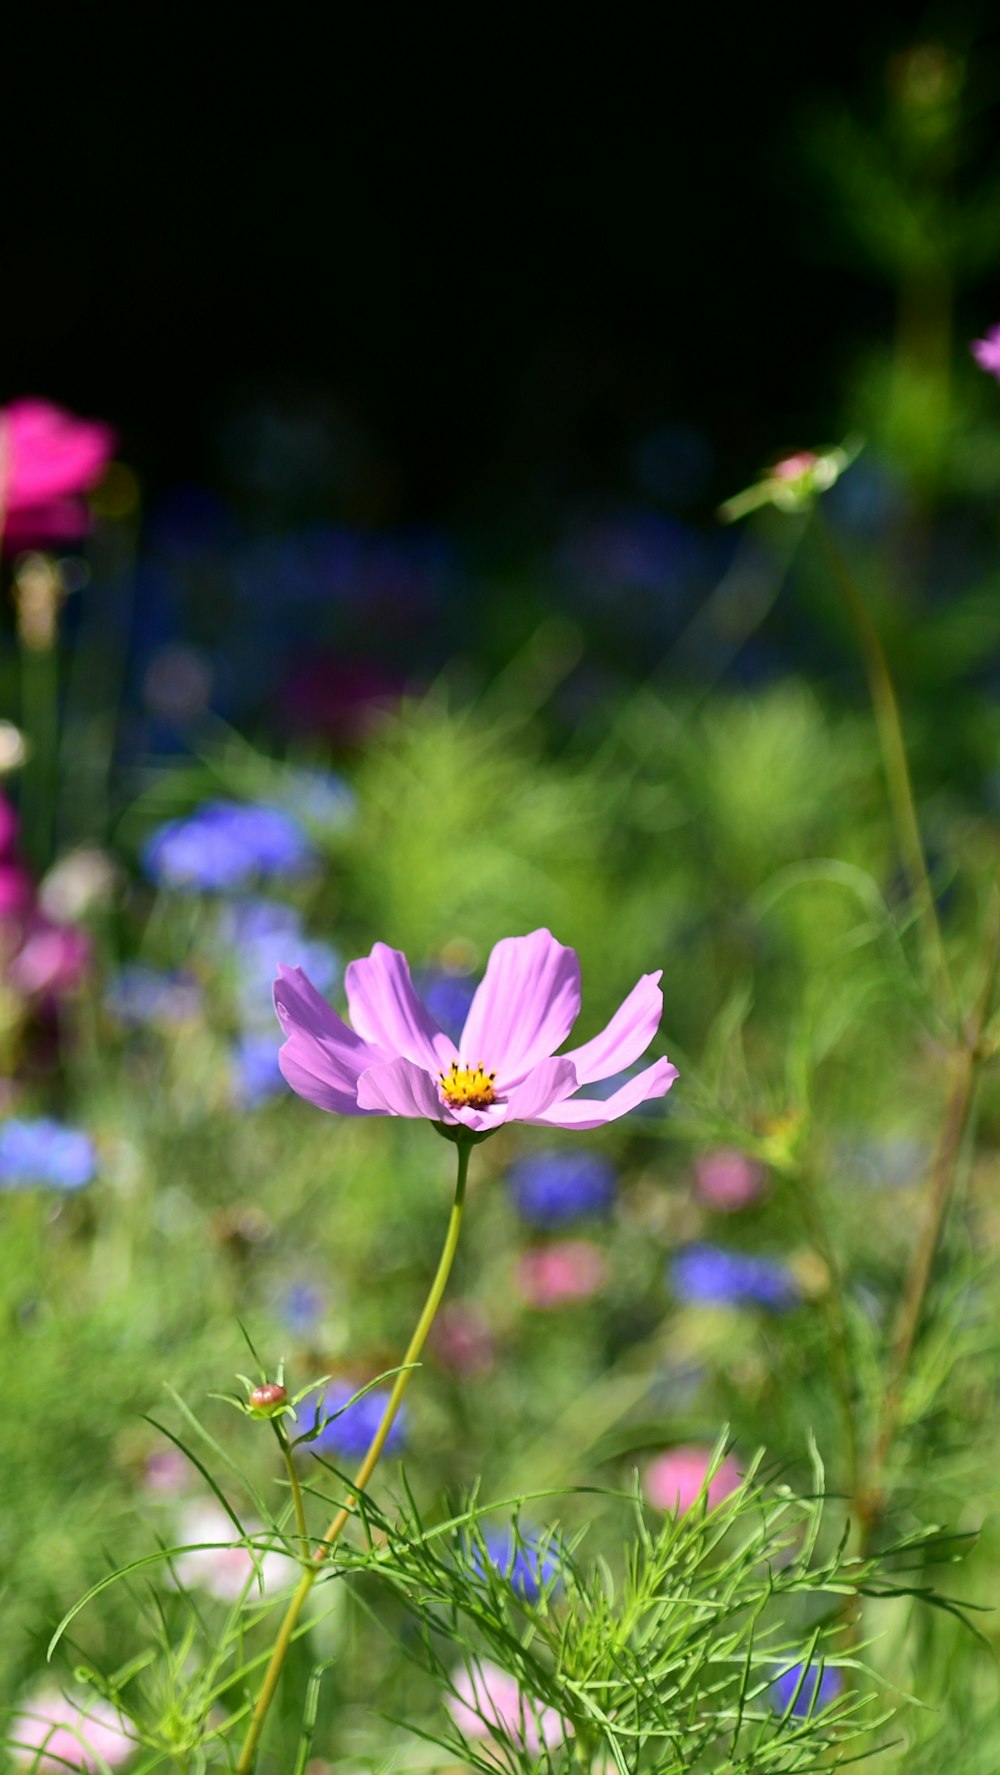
40	722
894	762
296	1489
836	1323
272	1675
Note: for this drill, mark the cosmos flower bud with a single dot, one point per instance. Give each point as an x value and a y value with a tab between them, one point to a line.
268	1400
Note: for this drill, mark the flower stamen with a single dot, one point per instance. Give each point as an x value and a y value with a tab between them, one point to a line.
467	1087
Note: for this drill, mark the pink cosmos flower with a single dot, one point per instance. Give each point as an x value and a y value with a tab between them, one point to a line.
674	1480
555	1275
48	458
54	1733
487	1703
395	1060
727	1179
986	351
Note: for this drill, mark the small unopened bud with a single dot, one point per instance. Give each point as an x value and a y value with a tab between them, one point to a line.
268	1398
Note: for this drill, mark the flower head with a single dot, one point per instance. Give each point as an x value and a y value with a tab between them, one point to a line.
710	1274
550	1188
986	351
44	1155
396	1061
817	1686
54	1732
674	1481
225	845
48	458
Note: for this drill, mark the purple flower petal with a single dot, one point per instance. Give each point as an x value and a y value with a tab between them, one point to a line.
322	1058
628	1034
590	1112
546	1084
524	1007
385	1009
400	1088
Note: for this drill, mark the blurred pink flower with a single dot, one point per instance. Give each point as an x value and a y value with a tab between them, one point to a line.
17	890
86	1735
395	1061
222	1566
8	827
552	1275
986	351
727	1179
462	1339
48	458
674	1480
167	1472
51	961
487	1703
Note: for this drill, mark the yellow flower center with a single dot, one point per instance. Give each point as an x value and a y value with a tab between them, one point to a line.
468	1087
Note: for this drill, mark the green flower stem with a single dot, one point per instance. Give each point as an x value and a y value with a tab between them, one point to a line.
894	761
941	1185
364	1473
40	723
296	1489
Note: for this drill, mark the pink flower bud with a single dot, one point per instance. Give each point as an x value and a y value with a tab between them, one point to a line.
268	1397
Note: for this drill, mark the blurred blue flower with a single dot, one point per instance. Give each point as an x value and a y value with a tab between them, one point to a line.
225	846
447	997
710	1273
139	995
829	1684
262	934
44	1154
256	1073
554	1187
321	799
530	1563
302	1306
349	1435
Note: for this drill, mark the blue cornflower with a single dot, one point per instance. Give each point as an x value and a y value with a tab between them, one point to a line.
530	1563
138	995
710	1273
44	1154
830	1684
550	1188
349	1434
225	846
256	1073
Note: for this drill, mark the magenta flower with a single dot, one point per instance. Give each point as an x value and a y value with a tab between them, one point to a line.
395	1061
986	352
48	458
